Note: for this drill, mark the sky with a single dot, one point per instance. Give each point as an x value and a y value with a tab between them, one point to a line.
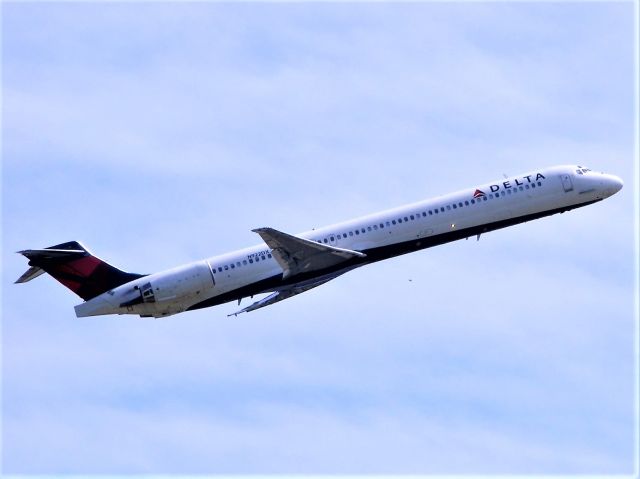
162	133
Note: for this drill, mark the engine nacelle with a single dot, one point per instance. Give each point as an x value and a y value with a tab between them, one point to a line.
170	291
181	283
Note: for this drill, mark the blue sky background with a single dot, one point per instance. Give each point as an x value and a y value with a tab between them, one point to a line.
161	133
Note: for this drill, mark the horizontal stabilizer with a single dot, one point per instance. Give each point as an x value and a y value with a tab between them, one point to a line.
51	253
30	274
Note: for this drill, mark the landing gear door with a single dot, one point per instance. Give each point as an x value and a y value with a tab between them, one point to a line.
566	183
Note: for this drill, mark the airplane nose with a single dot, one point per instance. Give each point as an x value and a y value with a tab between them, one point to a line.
616	183
613	184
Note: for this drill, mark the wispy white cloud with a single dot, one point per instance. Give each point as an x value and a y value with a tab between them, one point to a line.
163	133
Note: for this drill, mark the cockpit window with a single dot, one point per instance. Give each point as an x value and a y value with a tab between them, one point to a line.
582	170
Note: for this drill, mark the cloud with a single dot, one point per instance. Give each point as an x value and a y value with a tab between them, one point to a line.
160	134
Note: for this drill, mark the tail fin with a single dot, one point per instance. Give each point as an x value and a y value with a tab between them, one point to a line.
76	268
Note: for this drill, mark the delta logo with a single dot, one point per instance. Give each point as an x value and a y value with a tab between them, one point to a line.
515	183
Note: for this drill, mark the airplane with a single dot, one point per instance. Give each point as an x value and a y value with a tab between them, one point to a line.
285	265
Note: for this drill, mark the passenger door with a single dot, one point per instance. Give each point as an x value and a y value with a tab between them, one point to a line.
566	183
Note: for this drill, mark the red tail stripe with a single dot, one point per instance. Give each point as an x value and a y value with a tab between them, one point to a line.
84	266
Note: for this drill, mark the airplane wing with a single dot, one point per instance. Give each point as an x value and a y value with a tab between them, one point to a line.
286	293
298	255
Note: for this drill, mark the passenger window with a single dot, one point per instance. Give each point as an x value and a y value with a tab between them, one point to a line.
454	206
368	228
424	214
381	225
226	267
399	220
449	207
412	217
539	183
466	203
502	193
350	233
533	185
526	186
333	238
250	261
244	262
269	255
394	222
362	230
375	227
357	232
473	202
406	219
430	212
232	266
460	204
220	269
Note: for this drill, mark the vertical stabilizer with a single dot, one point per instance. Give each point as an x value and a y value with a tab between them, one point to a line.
75	267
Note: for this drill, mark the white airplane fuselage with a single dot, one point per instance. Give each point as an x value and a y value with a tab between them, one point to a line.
259	269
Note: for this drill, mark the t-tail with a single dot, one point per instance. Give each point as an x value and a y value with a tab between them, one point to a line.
76	268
